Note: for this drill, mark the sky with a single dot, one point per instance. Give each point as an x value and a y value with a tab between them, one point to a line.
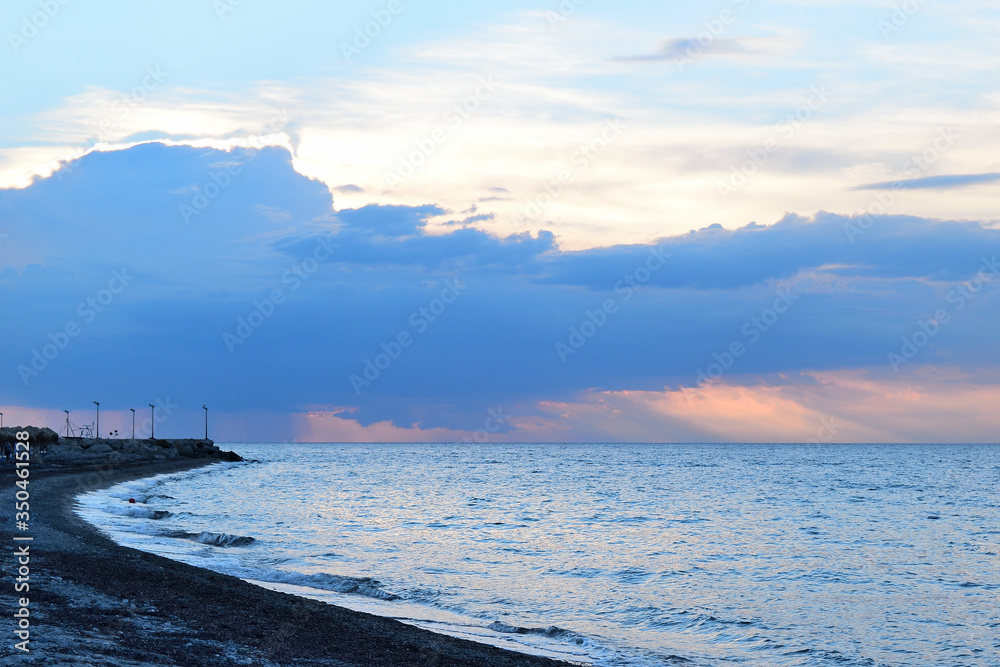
572	221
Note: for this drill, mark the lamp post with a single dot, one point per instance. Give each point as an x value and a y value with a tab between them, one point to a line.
97	424
205	408
1	420
133	422
152	422
67	422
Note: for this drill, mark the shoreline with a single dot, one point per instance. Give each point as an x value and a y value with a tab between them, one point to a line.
96	602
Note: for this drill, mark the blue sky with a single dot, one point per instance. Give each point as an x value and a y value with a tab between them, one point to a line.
725	221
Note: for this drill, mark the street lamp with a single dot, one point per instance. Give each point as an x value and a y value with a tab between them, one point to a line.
67	422
205	408
1	420
133	422
152	420
97	424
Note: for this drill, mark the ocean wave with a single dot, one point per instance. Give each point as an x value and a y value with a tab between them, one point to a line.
139	512
364	586
691	620
222	539
552	632
126	494
205	537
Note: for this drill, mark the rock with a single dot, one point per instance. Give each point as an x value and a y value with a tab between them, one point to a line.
81	451
37	436
48	435
64	453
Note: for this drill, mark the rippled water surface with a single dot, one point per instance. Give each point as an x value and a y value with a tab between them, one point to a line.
612	554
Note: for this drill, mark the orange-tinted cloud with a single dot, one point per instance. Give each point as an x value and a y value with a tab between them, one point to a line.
932	405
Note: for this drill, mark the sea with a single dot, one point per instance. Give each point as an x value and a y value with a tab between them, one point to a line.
609	554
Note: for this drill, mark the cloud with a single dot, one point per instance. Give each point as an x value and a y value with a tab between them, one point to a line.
555	89
936	182
933	405
897	247
689	49
273	213
350	283
672	49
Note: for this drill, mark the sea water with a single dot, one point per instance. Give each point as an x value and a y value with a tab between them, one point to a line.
610	554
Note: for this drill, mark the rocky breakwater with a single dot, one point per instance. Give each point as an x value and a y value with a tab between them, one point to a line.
47	448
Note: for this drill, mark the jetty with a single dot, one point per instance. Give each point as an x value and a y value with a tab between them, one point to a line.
48	448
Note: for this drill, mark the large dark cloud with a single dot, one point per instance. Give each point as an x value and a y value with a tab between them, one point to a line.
195	276
394	236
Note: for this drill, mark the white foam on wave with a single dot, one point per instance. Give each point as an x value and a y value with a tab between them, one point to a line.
102	508
139	512
222	539
457	625
149	525
111	510
359	586
214	551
